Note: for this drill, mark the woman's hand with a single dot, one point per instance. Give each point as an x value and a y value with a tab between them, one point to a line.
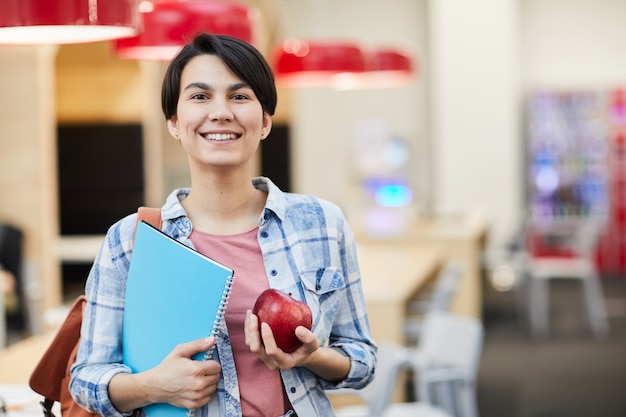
263	344
185	382
329	364
178	380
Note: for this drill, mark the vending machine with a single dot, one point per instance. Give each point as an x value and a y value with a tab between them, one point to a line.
576	170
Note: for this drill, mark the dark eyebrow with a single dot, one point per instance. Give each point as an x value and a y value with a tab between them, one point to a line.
205	86
201	86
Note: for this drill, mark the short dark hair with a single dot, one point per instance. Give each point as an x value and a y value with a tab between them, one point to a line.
243	59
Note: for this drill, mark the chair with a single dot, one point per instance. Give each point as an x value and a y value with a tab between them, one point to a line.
577	264
3	322
415	409
377	396
11	259
444	365
446	360
438	298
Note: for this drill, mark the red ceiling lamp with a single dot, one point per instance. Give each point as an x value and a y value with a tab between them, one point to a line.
340	65
49	22
389	68
302	63
168	25
391	59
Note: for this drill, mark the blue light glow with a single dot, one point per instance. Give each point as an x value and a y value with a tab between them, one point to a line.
393	195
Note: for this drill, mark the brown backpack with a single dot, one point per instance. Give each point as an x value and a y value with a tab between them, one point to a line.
51	376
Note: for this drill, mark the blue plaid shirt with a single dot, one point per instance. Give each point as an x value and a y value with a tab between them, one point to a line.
308	250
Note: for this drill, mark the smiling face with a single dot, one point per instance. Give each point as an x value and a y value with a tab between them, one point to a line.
219	120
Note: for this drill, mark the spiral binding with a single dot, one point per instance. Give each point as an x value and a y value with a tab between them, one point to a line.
221	310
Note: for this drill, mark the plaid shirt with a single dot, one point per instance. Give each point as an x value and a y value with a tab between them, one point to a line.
308	251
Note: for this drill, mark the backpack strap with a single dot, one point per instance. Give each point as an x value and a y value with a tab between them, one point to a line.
151	215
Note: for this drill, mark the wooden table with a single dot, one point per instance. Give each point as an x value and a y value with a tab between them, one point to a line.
461	237
392	273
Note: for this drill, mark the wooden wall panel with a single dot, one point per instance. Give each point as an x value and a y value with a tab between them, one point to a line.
94	85
28	168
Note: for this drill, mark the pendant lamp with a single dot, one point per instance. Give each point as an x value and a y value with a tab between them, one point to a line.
168	25
391	59
46	22
389	68
319	63
340	65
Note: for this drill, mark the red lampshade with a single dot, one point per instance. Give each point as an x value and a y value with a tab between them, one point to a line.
168	25
300	63
389	67
340	65
40	22
390	59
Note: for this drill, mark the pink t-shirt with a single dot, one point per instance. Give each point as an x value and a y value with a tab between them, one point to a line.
261	389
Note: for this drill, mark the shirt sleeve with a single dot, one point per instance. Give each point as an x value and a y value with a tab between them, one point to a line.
351	330
99	355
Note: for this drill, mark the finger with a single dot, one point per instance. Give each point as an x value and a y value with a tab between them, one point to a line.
306	336
270	349
199	398
196	346
254	341
210	368
268	339
247	327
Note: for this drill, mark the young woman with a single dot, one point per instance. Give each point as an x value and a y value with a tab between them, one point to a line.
218	98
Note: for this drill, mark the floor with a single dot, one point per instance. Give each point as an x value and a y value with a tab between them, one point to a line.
569	374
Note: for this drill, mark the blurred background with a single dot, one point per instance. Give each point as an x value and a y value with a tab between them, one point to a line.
505	142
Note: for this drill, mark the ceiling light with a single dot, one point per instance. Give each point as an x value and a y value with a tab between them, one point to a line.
389	68
168	25
45	22
340	65
303	63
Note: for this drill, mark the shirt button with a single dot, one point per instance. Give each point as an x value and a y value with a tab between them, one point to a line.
293	390
274	273
263	234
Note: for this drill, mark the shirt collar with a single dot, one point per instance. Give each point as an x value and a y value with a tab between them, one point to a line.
276	201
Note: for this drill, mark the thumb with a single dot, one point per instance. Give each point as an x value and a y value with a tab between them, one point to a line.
304	334
196	346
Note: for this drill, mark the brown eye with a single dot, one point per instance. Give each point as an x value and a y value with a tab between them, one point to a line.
199	96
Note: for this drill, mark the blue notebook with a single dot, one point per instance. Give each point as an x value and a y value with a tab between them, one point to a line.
174	295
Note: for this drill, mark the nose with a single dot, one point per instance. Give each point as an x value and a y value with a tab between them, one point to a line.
220	110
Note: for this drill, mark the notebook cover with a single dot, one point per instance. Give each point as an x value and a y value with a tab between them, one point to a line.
174	295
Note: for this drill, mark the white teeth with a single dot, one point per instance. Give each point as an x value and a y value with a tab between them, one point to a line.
221	136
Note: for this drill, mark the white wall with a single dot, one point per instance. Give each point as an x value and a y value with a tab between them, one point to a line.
575	44
475	117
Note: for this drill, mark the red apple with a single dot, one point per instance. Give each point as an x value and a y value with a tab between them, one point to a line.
283	313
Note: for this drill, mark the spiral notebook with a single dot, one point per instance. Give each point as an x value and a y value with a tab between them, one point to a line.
174	295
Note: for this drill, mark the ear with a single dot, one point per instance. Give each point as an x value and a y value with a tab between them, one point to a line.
267	125
172	126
